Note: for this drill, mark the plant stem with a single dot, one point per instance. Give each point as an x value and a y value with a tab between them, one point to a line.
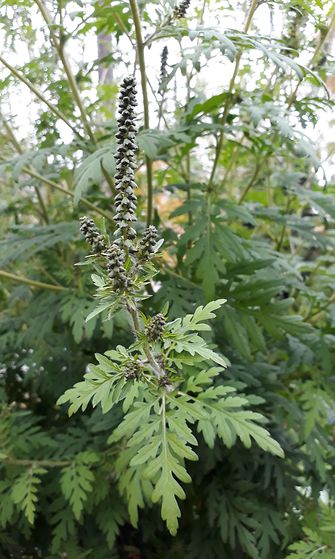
40	463
141	61
67	68
33	283
283	229
56	186
12	138
137	328
219	143
250	183
293	95
40	96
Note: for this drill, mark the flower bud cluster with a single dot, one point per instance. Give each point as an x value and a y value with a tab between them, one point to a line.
148	243
125	200
91	234
180	10
132	370
155	328
116	258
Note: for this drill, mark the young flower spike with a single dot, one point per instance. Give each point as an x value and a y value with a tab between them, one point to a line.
180	10
115	257
163	70
148	242
125	200
155	327
91	234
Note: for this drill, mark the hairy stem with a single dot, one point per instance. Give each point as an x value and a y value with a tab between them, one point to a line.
141	61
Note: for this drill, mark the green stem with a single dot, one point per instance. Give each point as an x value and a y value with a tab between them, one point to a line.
138	330
12	138
39	463
40	96
56	186
219	143
250	183
67	68
283	230
33	283
233	159
293	95
141	61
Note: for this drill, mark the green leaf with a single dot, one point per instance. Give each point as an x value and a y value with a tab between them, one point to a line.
90	172
24	491
77	481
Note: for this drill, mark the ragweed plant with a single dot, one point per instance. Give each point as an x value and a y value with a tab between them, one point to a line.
166	382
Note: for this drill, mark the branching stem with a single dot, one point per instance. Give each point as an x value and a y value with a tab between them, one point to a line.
137	329
40	96
56	186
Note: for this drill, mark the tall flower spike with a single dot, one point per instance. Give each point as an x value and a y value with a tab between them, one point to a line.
115	257
91	234
180	10
125	200
148	242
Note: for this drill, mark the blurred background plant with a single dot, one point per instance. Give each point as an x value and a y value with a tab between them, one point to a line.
235	169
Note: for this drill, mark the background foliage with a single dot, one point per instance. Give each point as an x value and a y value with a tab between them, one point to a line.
242	194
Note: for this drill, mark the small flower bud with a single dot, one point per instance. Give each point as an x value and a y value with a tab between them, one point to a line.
180	10
155	328
91	234
148	242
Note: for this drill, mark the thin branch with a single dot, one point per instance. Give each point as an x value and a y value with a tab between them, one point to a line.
293	95
157	370
33	283
250	183
141	61
56	186
12	138
218	148
67	68
39	463
40	96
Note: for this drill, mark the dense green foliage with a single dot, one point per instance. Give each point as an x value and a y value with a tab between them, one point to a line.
124	435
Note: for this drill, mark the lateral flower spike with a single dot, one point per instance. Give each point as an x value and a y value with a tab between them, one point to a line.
116	257
180	10
163	69
125	200
91	234
148	242
155	328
